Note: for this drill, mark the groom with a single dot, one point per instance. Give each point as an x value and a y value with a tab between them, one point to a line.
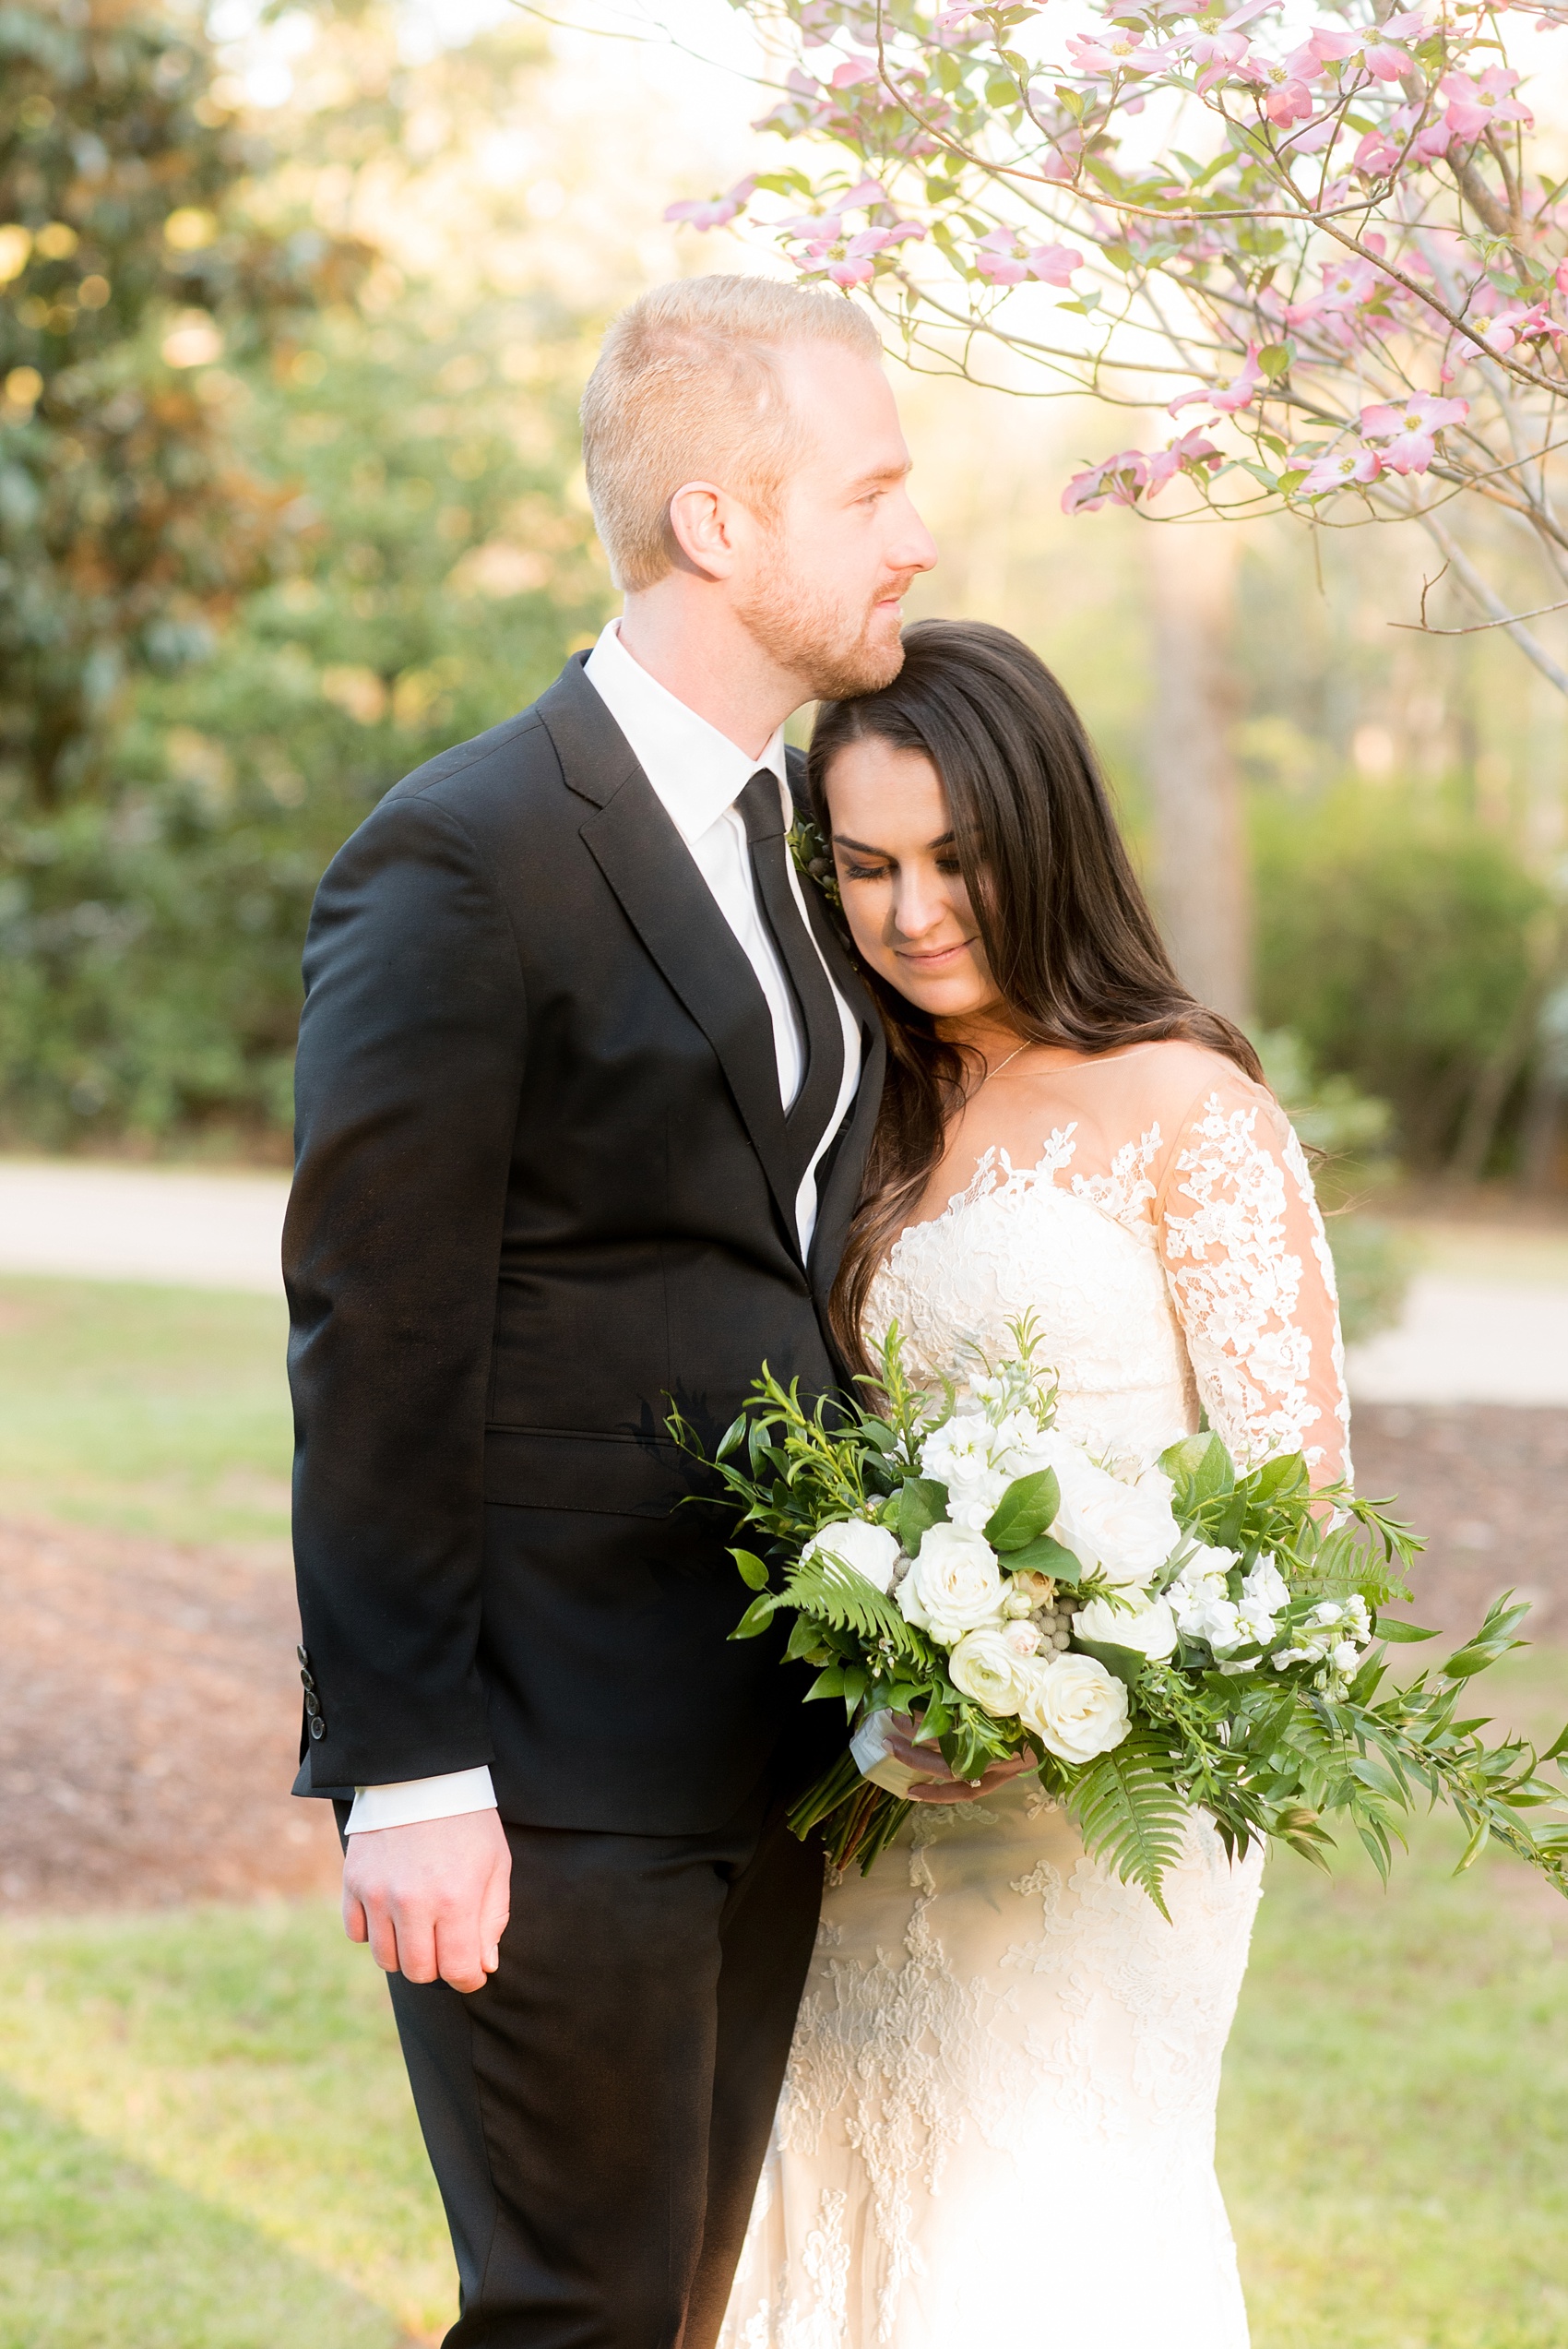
585	1091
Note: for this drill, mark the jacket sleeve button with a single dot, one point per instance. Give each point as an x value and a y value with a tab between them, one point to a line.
317	1726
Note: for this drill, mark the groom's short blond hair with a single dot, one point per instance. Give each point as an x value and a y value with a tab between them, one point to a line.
685	390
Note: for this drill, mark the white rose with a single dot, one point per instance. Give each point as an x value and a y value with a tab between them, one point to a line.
868	1549
1149	1630
1021	1638
1127	1532
987	1667
1075	1708
954	1586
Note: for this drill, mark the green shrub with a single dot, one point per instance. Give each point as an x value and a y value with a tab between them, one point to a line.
1400	946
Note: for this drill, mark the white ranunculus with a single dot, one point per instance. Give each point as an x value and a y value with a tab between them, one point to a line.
1127	1531
871	1550
986	1666
1149	1630
954	1586
1075	1708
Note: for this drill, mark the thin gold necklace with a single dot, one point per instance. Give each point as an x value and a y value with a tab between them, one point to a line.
1001	1066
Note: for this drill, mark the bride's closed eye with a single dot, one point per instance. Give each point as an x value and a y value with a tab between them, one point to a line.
851	869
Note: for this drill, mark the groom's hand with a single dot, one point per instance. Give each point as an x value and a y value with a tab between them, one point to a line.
431	1898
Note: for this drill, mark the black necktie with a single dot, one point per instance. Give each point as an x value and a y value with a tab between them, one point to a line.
806	1120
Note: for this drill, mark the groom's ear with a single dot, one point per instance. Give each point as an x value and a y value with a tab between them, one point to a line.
703	521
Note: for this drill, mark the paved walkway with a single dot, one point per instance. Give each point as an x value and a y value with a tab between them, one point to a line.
99	1223
1465	1338
1468	1342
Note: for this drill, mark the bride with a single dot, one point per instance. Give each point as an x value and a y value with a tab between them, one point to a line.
1001	2099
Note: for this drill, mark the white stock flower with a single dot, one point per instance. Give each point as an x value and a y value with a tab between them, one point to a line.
987	1667
1024	1446
1202	1603
871	1550
954	1586
1336	1632
961	1451
1149	1630
972	1504
1264	1582
1075	1708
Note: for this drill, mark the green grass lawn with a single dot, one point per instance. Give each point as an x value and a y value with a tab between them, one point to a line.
206	2142
205	2139
148	1410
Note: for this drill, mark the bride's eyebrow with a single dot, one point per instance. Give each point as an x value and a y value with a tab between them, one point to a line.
863	847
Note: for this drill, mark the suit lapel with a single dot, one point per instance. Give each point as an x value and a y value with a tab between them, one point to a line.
840	1179
669	904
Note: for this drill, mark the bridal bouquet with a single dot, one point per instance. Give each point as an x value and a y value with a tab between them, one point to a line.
1151	1638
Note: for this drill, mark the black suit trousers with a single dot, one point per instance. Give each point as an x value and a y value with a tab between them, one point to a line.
597	2115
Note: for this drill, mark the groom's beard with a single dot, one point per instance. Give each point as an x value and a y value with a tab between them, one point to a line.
837	652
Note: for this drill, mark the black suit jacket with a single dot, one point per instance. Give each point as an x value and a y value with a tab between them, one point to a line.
541	1188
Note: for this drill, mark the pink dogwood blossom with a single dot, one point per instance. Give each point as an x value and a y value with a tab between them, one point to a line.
1194	452
1229	398
1053	264
1118	55
718	211
1119	478
1288	102
1339	472
1408	428
1382	59
1474	105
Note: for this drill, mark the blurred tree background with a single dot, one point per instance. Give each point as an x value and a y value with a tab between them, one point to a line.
283	515
289	499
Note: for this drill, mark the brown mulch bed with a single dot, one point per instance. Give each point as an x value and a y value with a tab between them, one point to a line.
1488	1485
150	1706
150	1702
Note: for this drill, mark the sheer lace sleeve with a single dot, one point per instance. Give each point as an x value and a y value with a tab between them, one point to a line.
1252	1280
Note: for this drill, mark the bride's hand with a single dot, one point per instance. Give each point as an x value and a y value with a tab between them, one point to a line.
940	1785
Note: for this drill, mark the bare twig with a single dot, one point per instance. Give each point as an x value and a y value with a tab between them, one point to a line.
1490	602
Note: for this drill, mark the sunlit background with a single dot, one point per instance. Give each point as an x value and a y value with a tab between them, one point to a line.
295	308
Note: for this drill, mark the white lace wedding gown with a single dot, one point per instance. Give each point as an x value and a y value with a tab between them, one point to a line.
998	2121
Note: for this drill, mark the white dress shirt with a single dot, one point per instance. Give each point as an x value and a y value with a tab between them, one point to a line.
698	775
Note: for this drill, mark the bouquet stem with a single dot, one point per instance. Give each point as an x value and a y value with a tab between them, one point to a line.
857	1820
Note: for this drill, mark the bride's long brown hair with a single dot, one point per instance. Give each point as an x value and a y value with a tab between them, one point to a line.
1068	935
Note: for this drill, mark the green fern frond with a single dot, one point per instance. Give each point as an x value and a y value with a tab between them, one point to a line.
836	1595
1130	1814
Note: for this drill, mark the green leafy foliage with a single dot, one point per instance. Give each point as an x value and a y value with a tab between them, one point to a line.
1274	1738
1026	1508
373	548
1129	1812
1402	944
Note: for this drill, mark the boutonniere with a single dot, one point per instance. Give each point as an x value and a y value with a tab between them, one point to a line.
815	858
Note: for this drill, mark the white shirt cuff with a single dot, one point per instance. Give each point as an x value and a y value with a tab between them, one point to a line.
412	1799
